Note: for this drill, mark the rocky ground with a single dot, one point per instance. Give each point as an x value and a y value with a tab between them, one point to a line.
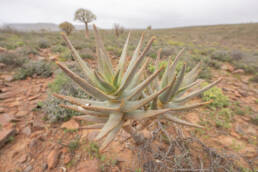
28	143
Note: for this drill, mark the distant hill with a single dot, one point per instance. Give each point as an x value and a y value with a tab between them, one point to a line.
27	27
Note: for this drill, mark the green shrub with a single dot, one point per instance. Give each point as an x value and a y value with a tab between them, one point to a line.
219	100
34	68
63	85
221	56
236	55
58	48
12	59
206	73
212	63
248	68
43	43
66	55
224	118
254	78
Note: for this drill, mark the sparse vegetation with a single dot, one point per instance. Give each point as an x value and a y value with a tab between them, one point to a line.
34	68
219	100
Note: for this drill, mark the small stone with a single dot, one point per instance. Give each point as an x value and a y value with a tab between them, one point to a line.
89	165
53	58
6	118
238	71
67	158
21	114
7	95
2	110
53	158
8	78
92	135
2	65
14	103
243	93
2	50
23	158
27	131
34	97
71	125
5	134
28	169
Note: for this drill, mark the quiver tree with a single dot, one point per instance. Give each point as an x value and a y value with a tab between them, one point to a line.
118	29
85	16
66	27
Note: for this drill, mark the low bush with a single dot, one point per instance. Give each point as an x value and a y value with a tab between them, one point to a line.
34	68
12	59
63	85
236	55
212	63
254	78
248	68
43	43
221	56
206	73
219	100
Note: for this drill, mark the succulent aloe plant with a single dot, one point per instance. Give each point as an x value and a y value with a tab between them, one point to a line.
117	94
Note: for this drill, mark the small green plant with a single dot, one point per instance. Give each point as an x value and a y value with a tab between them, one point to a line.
34	68
254	78
219	100
93	150
221	56
13	59
74	144
43	43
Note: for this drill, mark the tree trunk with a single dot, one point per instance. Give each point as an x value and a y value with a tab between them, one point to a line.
86	30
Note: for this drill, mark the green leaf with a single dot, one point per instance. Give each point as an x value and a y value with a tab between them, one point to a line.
110	136
103	58
142	85
192	75
141	114
105	85
176	107
170	72
121	64
114	120
84	66
133	70
83	111
90	118
196	93
180	121
133	105
87	87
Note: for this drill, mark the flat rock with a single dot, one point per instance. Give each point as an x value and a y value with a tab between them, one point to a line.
71	125
89	165
53	158
5	134
21	113
2	65
2	50
2	110
6	118
26	131
239	71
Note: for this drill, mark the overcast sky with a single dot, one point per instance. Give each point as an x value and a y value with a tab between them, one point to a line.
132	13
